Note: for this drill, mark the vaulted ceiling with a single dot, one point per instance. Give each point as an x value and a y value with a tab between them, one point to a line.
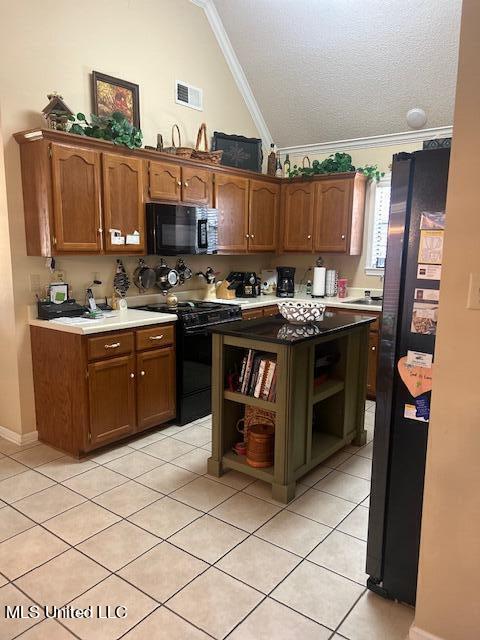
324	70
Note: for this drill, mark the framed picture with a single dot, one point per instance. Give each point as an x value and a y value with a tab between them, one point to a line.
112	94
238	151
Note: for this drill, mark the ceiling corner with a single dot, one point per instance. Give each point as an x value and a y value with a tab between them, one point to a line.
235	67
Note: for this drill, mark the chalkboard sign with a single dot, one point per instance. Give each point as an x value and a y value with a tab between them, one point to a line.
238	151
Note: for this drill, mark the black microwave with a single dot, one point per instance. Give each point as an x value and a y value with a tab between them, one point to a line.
174	229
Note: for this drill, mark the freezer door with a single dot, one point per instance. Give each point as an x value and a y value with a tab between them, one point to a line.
419	184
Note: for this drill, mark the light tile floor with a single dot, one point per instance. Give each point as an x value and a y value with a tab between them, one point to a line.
192	557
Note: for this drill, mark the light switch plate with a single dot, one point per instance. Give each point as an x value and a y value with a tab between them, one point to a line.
473	301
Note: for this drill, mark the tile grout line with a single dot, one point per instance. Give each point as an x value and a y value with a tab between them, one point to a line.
201	513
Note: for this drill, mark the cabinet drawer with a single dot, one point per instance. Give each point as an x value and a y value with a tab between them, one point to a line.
155	337
270	311
250	314
109	344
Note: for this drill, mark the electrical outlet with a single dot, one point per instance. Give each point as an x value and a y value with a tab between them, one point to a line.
35	283
473	301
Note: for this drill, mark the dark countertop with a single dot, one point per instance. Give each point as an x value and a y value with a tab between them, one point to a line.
278	330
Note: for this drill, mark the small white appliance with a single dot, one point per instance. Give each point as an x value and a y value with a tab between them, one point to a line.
269	280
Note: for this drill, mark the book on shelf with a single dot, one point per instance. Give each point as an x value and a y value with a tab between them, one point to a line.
257	374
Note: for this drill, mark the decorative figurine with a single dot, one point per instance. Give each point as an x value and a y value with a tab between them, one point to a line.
56	112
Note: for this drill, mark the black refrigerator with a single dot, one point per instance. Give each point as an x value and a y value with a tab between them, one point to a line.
406	355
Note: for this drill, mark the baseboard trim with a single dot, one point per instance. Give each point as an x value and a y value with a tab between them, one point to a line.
18	438
420	634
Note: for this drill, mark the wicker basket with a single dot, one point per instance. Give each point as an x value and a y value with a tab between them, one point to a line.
254	415
214	157
260	446
182	152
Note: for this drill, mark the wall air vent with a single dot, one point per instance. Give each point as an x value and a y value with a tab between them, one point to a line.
188	96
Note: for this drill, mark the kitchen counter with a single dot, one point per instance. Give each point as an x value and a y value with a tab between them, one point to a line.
280	331
112	321
338	303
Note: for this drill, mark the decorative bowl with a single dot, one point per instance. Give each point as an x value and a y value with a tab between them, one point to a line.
301	312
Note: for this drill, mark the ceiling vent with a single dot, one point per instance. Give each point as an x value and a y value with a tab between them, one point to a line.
188	96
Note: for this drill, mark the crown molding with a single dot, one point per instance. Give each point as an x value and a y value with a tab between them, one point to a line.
392	139
236	68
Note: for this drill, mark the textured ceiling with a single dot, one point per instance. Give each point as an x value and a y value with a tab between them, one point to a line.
325	70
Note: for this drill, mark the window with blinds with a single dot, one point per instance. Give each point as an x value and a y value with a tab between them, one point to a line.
379	228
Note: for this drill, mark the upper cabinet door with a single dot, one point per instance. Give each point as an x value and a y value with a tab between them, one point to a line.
333	206
231	200
165	181
76	199
263	214
298	217
123	201
197	186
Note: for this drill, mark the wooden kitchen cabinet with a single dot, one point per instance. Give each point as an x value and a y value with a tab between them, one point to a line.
338	214
123	201
111	393
264	199
298	203
76	199
91	390
170	182
156	387
165	181
332	203
197	186
251	314
231	200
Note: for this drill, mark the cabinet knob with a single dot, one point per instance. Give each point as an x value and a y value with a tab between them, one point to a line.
374	348
179	183
132	375
308	237
247	235
100	231
343	236
252	235
114	345
142	373
185	184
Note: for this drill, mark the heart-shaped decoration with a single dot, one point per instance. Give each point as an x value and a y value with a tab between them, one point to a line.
418	380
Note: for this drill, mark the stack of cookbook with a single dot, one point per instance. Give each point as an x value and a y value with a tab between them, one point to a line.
258	375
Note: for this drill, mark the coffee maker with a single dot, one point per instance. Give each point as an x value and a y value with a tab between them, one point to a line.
285	282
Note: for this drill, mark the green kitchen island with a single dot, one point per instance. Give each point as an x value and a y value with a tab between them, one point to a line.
319	406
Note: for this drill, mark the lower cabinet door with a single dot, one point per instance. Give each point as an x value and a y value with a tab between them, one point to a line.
156	387
111	386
